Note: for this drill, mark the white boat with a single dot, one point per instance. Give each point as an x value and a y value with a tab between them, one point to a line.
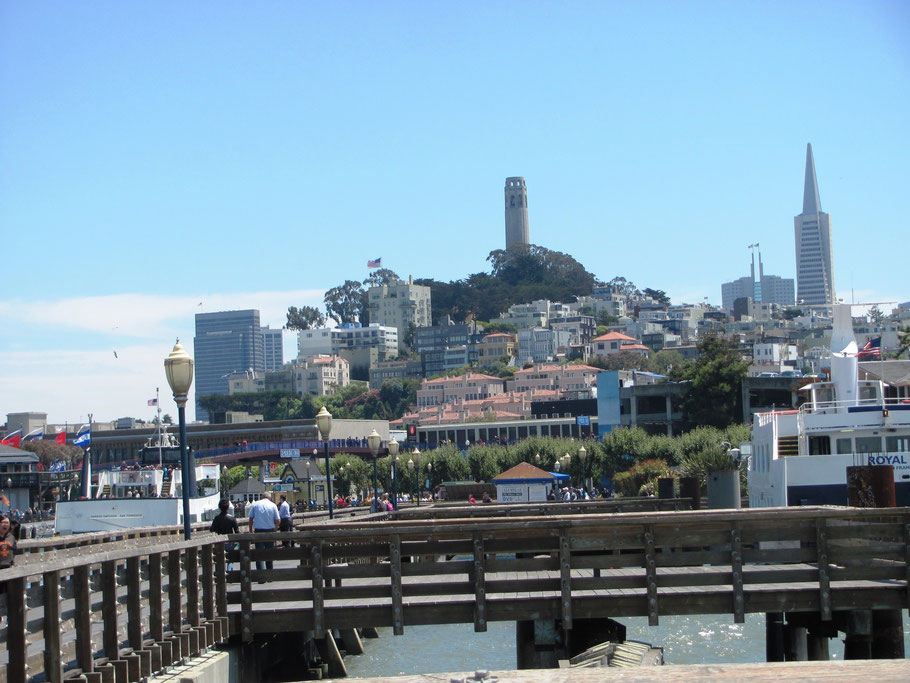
150	496
800	457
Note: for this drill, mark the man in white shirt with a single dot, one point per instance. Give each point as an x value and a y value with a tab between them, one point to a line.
264	518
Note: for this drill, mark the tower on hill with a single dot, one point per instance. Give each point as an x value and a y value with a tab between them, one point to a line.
517	230
814	274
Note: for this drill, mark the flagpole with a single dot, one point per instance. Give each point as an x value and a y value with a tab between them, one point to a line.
160	435
87	463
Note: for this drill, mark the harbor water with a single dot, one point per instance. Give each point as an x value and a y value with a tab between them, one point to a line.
456	647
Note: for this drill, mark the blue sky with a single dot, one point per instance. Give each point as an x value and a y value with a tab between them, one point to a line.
159	155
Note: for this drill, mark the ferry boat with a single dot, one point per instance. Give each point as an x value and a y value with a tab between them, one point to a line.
148	494
800	457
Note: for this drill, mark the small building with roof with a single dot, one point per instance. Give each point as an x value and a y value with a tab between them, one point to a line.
525	483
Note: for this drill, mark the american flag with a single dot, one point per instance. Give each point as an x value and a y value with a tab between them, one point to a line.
374	263
872	349
153	401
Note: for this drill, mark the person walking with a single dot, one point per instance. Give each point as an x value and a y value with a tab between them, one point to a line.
223	523
284	519
7	544
264	518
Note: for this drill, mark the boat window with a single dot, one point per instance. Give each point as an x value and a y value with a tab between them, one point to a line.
844	446
819	445
897	444
868	444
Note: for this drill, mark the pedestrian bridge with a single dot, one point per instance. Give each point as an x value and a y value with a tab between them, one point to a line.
118	611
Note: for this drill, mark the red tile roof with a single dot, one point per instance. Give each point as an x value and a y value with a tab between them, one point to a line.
614	336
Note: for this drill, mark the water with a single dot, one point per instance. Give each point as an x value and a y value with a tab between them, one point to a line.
456	647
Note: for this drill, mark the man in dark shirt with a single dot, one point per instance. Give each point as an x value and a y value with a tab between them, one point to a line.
224	523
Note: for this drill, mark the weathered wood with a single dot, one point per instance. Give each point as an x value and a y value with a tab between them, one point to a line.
565	579
395	581
82	619
134	603
155	596
191	568
110	639
220	579
175	621
208	582
824	583
477	576
246	592
53	667
651	571
736	565
318	586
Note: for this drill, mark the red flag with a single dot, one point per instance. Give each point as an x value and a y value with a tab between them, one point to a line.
4	499
60	439
13	440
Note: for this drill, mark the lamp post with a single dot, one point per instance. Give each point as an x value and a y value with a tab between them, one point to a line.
537	459
309	479
429	483
373	441
224	481
179	370
324	424
393	464
411	476
583	459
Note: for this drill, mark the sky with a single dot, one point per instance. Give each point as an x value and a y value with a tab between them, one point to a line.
161	159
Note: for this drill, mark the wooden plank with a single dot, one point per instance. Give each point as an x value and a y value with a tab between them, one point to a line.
82	620
134	603
174	592
191	567
907	560
397	606
824	583
155	596
16	611
208	582
565	579
736	565
220	579
53	667
318	585
246	592
651	573
110	639
478	578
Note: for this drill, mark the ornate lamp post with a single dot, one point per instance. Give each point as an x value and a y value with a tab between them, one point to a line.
411	476
373	440
394	464
324	424
583	459
179	370
416	455
537	459
429	483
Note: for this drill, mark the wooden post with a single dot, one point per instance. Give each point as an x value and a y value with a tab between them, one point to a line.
133	603
53	667
858	640
665	487
83	619
191	566
774	637
208	583
110	640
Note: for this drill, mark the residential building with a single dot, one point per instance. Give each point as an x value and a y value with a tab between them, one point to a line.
272	348
535	314
496	346
518	230
226	342
577	379
441	345
541	345
774	353
363	347
321	375
400	305
395	369
814	251
614	342
247	382
315	342
469	386
581	327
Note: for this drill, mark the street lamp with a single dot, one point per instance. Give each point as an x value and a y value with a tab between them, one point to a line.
429	483
537	459
324	424
411	476
416	455
224	481
582	458
373	441
179	370
394	463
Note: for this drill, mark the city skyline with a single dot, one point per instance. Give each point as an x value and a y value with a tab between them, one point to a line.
158	158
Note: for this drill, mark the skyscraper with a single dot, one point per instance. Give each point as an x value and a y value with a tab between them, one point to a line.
812	229
769	289
226	342
272	348
517	230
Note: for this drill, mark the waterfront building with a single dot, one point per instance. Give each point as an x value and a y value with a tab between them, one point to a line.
226	342
518	230
401	305
814	251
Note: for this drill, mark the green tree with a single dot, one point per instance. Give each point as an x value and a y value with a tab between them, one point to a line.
903	338
664	361
345	303
382	276
791	313
659	295
304	318
876	315
713	397
621	360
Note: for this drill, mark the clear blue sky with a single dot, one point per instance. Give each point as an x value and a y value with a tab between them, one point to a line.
159	155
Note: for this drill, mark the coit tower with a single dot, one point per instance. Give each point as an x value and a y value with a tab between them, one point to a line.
517	230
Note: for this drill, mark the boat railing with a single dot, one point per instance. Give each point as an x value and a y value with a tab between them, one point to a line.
821	407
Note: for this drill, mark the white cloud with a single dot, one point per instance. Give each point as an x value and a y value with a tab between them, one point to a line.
78	373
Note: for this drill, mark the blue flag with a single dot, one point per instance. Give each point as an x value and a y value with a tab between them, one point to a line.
84	437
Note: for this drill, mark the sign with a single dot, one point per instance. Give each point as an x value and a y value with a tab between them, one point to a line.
513	493
289	453
583	421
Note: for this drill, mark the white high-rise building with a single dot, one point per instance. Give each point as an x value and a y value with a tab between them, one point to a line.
812	228
400	304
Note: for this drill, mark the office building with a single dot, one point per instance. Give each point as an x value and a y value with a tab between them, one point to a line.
226	342
812	231
769	289
517	229
272	348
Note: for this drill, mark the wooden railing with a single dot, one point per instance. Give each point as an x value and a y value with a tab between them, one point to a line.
462	509
822	560
127	611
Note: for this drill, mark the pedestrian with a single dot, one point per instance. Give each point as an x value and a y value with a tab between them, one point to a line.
264	518
223	523
7	544
284	519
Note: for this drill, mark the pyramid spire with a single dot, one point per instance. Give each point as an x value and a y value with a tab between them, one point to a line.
811	201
